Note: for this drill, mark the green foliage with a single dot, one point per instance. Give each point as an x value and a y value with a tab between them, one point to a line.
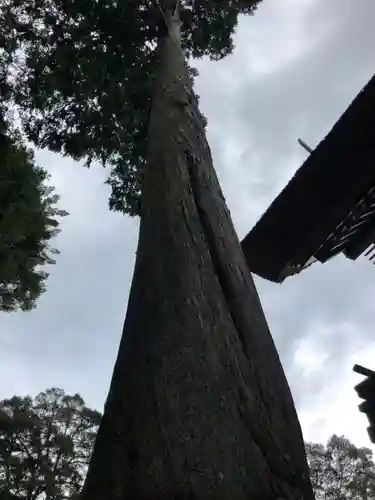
84	78
45	445
28	210
341	471
28	214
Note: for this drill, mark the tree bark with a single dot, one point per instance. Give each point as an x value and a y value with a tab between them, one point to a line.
199	406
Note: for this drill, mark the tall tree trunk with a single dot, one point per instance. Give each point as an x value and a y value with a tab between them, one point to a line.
199	406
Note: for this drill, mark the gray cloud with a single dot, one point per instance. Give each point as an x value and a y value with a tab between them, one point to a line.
71	339
296	67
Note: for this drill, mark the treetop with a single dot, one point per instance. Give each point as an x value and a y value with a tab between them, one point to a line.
82	74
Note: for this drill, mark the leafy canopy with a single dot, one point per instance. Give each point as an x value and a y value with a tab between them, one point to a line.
45	445
341	471
28	212
83	74
27	223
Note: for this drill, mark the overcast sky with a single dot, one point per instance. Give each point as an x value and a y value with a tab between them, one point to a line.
296	67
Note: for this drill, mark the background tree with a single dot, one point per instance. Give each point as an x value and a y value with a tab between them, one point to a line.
28	214
28	221
199	406
45	445
341	471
